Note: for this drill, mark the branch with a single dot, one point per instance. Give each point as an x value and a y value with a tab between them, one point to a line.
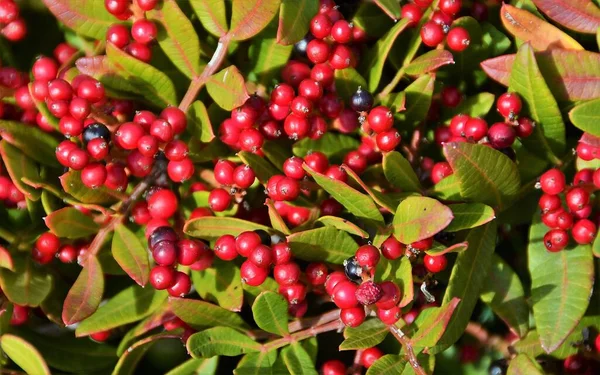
301	335
327	317
404	340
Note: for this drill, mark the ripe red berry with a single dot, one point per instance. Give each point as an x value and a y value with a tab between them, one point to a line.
450	7
380	119
163	204
525	127
501	135
564	220
388	140
294	294
93	175
392	248
344	294
310	89
262	256
369	356
435	264
335	172
509	105
575	364
181	170
252	274
91	90
333	367
341	57
432	34
317	161
48	243
320	26
164	253
286	273
143	31
553	182
44	69
368	293
78	159
584	176
584	231
225	247
292	167
475	129
317	51
458	39
549	203
294	72
176	118
316	273
556	240
116	177
577	198
322	73
288	189
181	286
450	96
282	94
243	176
246	242
67	254
390	295
390	316
440	171
353	316
413	13
296	127
367	256
341	31
162	277
219	200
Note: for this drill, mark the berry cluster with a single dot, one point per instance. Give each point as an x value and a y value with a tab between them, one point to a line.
12	26
586	150
578	199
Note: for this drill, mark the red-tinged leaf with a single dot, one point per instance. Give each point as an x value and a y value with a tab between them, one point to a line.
35	143
85	294
438	249
429	62
249	17
131	255
199	123
586	117
28	285
434	325
58	192
294	18
25	355
590	139
372	332
19	166
527	27
390	7
522	364
71	183
343	224
570	75
277	221
213	16
211	228
200	314
561	282
418	218
88	17
104	71
221	284
6	260
227	88
260	165
326	244
69	222
157	319
578	15
177	37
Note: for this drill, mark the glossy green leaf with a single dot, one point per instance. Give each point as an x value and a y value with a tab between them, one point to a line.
25	355
297	360
85	295
469	215
277	222
87	17
71	184
467	278
69	222
372	65
418	218
360	205
227	88
485	175
322	244
399	172
396	102
249	17
347	82
221	283
28	285
35	143
389	363
586	117
200	314
252	292
19	166
177	37
370	333
267	57
334	145
503	292
131	255
270	313
477	105
212	15
429	62
418	100
129	305
211	228
256	363
561	285
523	365
220	341
343	224
130	359
149	82
447	189
294	18
261	166
432	327
438	249
196	366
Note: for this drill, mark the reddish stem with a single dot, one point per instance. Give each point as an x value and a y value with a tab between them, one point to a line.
405	341
301	335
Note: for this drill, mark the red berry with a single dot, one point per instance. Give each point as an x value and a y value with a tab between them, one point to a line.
553	182
320	26
286	273
147	5
316	273
176	150
163	204
298	216
140	213
246	242
380	119
388	140
78	159
458	39
475	129
118	35
143	31
181	286
450	7
450	96
341	57
67	254
181	170
584	176
333	367
556	240
344	294
584	231
91	90
44	69
162	277
330	106
368	293
353	316
317	51
423	245
432	34
224	171
93	175
356	161
564	220
509	105
128	135
296	127
577	198
47	243
294	72
331	207
367	256
101	336
262	256
369	356
252	274
549	203
525	127
116	177
282	94
575	364
292	167
164	253
390	295
390	316
310	89
59	89
392	248
335	172
9	11
341	31
161	129
333	279
294	294
219	200
322	73
501	135
301	106
440	171
176	118
70	127
317	161
435	264
243	176
288	189
413	13
282	253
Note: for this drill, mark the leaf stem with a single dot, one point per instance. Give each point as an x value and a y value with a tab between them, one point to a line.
410	353
197	82
327	317
304	334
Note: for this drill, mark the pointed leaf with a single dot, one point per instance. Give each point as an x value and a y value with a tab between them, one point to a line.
213	16
211	228
418	100
249	17
261	166
71	183
294	18
199	123
227	88
6	260
19	166
370	333
256	363
523	365
343	224
503	292
434	325
24	355
69	222
130	359
85	295
334	145
196	366
221	283
200	314
267	57
347	81
277	221
578	15
485	175
561	282
87	17
418	218
388	364
438	249
297	360
429	62
35	143
270	313
322	244
586	117
28	285
469	215
220	341
390	7
527	27
131	255
399	172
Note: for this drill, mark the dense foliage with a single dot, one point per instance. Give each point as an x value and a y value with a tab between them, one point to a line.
299	187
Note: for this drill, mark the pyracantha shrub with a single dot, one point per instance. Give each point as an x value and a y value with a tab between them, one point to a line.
305	187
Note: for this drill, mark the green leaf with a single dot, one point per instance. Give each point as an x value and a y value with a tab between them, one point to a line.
69	222
523	365
389	363
396	102
130	359
221	283
469	215
19	166
503	292
494	40
434	325
585	117
220	341
399	272
35	143
149	82
373	63
267	57
418	100
596	247
438	249
196	366
418	218
28	285
256	363
447	189
294	19
249	17
343	224
177	37
561	283
85	295
200	314
227	88
390	7
212	15
24	355
297	360
277	221
467	277
485	175
199	123
372	19
211	228
87	17
277	152
399	172
252	292
347	81
477	105
527	81
429	62
129	305
6	260
131	255
71	184
370	333
322	244
261	166
360	205
270	313
334	145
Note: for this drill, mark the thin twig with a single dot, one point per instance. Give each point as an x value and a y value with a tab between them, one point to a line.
301	335
405	341
356	368
327	317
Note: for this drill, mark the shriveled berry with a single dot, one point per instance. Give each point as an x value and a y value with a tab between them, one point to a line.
368	293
